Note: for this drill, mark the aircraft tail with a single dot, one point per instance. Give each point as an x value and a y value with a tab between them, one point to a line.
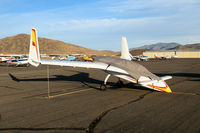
34	53
125	51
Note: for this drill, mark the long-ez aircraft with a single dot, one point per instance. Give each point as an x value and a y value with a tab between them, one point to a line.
120	67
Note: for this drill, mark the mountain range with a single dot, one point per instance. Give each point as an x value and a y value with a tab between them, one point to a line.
159	46
187	47
170	46
19	44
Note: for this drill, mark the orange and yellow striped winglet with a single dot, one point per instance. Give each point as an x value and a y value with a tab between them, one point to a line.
34	41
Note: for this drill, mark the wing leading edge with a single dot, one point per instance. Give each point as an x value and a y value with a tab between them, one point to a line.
97	65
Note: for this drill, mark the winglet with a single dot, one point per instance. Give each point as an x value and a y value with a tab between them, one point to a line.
125	51
166	77
34	53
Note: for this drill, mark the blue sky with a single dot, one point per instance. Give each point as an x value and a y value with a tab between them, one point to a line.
100	24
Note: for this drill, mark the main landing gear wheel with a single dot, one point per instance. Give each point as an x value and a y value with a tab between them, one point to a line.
119	84
103	87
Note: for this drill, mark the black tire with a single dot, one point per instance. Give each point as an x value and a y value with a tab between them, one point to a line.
119	84
103	87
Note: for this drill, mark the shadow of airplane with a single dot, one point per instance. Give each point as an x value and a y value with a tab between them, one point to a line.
195	80
83	78
79	77
76	77
133	86
192	75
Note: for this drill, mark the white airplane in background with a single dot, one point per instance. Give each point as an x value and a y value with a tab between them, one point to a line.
12	61
165	56
18	62
12	55
122	68
162	56
141	58
4	59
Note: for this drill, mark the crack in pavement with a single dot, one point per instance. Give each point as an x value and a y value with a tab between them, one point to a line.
185	93
8	87
96	121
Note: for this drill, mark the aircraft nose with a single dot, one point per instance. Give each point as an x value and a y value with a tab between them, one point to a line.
161	86
168	90
165	87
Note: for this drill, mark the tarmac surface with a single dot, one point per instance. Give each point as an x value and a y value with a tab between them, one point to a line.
76	105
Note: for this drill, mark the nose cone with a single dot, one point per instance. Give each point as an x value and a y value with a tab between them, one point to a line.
164	88
167	89
160	86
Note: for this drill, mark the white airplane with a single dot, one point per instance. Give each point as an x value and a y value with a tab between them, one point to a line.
162	56
12	55
121	68
174	56
4	59
140	58
18	62
165	56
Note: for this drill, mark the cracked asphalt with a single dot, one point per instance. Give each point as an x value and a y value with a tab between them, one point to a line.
77	105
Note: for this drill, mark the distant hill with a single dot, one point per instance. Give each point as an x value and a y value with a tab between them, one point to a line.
19	44
138	51
159	46
187	47
135	52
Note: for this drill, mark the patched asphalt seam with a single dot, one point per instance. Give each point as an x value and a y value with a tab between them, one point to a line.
8	87
96	121
186	93
41	129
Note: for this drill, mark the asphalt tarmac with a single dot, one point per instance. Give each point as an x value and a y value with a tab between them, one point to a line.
76	105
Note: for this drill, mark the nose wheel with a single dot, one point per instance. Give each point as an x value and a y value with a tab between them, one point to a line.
103	86
119	83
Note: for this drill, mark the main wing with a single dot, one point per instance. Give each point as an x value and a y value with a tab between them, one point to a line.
34	58
97	65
